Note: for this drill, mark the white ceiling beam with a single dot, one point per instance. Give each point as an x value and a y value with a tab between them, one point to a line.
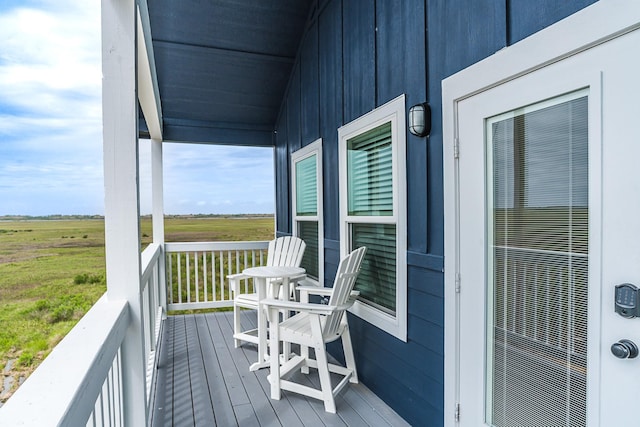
148	92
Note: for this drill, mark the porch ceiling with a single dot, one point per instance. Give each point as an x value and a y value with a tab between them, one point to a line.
223	66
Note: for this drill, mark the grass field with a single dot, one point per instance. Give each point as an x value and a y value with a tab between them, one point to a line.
52	272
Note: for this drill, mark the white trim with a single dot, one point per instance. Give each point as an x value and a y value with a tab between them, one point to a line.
315	148
157	201
394	112
594	25
148	92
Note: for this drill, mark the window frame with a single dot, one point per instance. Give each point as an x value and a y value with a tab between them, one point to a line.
315	148
394	112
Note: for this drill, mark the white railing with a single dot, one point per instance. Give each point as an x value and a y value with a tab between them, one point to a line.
151	287
197	272
79	383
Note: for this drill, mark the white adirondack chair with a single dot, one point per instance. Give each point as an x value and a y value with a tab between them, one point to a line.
283	251
313	326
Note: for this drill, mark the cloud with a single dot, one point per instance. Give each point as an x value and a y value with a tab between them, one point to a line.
50	107
51	127
50	59
218	179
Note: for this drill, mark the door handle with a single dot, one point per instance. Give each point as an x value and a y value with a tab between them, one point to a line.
624	349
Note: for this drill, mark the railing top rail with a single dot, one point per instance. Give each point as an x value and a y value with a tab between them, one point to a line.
63	389
149	260
150	254
214	246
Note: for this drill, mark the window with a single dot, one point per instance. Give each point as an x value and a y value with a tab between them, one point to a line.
537	251
373	212
306	166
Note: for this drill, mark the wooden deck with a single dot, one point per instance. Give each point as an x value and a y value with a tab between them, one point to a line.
204	381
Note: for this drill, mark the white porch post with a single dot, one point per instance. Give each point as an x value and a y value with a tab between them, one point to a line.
122	227
157	196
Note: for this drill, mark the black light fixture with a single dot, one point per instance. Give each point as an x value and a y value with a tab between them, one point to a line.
420	119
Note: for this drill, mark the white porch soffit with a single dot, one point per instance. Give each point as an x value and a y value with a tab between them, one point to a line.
148	93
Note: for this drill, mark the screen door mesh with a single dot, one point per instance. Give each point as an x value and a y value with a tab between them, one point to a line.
538	264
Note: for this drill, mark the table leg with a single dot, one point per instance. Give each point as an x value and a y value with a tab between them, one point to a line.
286	293
263	357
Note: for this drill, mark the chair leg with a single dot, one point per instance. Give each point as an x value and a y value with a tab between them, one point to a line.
304	352
348	355
274	343
325	379
286	346
236	324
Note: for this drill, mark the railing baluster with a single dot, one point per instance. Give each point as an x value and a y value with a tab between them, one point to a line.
204	273
188	270
113	413
170	277
213	276
229	264
221	256
179	279
197	282
119	377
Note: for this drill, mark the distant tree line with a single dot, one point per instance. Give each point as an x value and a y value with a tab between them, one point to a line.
78	217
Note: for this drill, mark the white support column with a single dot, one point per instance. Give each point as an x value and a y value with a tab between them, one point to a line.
157	200
122	212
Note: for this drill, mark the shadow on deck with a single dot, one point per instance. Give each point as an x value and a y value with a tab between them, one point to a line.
202	380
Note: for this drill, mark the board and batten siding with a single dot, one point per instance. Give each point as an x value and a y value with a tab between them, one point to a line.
354	57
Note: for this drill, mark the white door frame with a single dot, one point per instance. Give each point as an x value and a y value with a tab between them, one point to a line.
594	25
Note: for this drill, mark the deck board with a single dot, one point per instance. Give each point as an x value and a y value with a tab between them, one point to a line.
202	380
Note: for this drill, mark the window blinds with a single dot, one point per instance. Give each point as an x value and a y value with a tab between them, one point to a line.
377	279
538	265
307	187
370	173
308	231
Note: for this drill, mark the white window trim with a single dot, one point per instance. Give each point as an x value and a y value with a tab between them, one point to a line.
299	155
394	112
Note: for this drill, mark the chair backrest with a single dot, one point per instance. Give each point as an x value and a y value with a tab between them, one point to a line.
342	286
287	250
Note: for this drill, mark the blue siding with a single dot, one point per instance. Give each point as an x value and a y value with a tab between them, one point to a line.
355	56
527	17
309	79
358	26
330	63
294	111
281	159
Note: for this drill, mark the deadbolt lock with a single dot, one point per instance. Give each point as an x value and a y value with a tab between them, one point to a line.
624	349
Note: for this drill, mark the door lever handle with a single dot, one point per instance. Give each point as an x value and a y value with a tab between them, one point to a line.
624	349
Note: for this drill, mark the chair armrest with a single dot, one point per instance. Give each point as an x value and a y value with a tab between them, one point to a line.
277	304
318	290
298	278
315	290
234	282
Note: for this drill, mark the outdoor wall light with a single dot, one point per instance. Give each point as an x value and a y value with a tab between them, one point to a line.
420	119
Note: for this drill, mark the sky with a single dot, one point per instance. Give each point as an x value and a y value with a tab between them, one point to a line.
51	127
